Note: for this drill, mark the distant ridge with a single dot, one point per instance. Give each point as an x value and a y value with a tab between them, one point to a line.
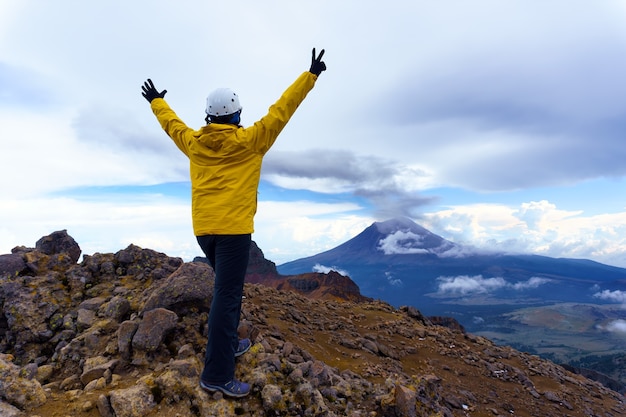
563	309
400	245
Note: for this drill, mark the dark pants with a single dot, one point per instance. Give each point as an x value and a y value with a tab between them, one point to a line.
228	255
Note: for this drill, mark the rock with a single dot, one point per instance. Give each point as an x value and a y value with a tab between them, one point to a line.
125	334
454	401
92	304
179	381
414	313
11	265
186	351
552	396
85	319
104	406
22	392
70	383
59	243
369	345
313	400
321	372
405	402
189	368
27	313
272	397
7	410
96	384
191	285
144	263
96	367
136	401
117	308
153	329
217	407
44	372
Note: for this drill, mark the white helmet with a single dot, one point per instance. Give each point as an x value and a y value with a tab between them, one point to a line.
222	102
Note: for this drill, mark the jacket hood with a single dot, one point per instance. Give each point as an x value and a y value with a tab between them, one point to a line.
214	135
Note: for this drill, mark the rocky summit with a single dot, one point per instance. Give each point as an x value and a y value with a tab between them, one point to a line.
123	335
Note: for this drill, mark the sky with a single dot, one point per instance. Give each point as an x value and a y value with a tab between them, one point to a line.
495	124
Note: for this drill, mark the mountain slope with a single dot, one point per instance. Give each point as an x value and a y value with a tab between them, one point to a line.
405	264
124	335
563	309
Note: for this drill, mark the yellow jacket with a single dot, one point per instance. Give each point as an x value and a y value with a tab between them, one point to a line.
225	161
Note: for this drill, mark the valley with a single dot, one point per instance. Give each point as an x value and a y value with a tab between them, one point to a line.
564	310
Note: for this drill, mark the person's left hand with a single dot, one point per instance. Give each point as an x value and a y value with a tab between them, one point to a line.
317	65
150	92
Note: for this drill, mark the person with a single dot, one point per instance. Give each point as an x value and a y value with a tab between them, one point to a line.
225	167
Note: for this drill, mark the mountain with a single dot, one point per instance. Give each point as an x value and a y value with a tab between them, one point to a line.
404	264
560	308
123	334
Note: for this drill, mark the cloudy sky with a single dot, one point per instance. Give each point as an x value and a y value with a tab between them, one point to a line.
498	124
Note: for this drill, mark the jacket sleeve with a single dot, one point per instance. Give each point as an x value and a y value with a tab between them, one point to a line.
175	128
266	130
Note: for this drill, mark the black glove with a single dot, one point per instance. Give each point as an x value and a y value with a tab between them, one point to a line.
150	93
317	65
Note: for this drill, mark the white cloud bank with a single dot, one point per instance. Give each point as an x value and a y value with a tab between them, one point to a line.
402	243
615	296
466	285
615	326
537	227
326	269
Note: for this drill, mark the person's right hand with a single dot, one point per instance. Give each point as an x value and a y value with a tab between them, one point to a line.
317	65
150	93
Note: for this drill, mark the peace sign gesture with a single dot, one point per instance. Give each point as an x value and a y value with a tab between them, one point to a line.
317	65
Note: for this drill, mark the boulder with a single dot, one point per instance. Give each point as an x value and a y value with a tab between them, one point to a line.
191	285
21	392
26	313
153	329
59	242
136	401
11	265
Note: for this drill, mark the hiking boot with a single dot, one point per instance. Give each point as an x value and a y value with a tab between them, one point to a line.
243	347
232	388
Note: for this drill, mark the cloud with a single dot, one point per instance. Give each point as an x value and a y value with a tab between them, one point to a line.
614	296
391	186
460	251
547	111
326	269
533	282
24	88
408	243
465	285
345	168
538	227
99	225
114	128
615	326
288	230
402	243
394	282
